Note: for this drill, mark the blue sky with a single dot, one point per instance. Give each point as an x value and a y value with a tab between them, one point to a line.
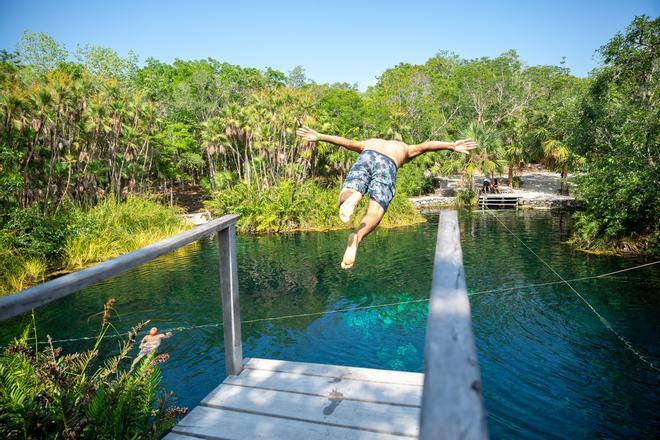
340	41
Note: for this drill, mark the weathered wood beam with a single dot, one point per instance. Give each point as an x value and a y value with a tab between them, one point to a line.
231	313
452	403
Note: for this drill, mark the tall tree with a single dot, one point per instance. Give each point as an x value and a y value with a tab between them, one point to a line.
619	136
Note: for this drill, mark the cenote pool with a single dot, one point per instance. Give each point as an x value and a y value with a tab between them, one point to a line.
550	368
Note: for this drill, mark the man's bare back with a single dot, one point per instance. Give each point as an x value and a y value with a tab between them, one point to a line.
395	150
375	174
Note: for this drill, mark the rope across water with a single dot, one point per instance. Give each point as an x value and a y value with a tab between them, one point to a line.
605	322
374	306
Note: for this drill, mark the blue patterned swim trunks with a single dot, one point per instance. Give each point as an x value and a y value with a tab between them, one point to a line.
374	173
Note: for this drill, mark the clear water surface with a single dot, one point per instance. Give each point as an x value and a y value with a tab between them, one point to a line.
549	366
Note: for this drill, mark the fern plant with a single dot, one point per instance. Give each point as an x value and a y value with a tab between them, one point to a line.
49	394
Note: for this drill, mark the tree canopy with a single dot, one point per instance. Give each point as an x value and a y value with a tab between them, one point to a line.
106	124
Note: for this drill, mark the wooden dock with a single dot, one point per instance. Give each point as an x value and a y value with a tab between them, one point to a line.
498	201
292	400
270	399
273	399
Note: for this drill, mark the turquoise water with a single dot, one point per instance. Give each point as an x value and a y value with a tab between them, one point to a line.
549	366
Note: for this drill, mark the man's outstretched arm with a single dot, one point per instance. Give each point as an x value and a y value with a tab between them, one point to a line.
463	146
312	136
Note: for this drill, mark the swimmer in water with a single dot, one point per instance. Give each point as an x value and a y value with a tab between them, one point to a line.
150	343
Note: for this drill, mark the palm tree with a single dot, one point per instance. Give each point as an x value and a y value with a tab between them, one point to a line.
515	157
488	158
213	143
558	156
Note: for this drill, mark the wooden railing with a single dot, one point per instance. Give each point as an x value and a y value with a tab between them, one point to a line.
28	299
452	403
498	201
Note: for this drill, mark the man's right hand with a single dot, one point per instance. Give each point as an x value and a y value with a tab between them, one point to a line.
308	134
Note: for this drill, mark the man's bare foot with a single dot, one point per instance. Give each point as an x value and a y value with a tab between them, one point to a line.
346	209
351	251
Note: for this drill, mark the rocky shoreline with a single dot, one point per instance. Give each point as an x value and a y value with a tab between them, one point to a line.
526	201
538	190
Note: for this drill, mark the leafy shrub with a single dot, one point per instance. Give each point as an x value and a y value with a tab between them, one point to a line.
28	242
38	235
50	394
465	198
413	180
289	207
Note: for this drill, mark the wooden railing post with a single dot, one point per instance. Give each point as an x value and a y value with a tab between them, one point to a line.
452	404
231	314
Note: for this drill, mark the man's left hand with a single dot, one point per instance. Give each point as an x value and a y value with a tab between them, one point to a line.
464	146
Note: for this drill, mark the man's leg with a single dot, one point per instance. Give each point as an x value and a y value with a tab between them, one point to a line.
348	200
369	222
136	360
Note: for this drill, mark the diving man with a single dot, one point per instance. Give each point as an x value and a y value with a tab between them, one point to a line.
375	173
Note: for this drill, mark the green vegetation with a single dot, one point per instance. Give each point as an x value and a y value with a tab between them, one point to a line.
465	198
76	134
79	130
289	207
112	228
619	132
45	393
34	245
88	147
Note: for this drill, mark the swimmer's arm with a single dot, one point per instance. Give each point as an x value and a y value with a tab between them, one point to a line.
463	146
313	136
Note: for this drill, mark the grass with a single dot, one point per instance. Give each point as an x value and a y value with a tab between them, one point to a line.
24	273
34	247
114	228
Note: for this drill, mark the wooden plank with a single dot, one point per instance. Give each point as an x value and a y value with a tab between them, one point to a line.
175	436
337	372
212	423
498	201
335	411
28	299
452	404
231	313
375	392
503	196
